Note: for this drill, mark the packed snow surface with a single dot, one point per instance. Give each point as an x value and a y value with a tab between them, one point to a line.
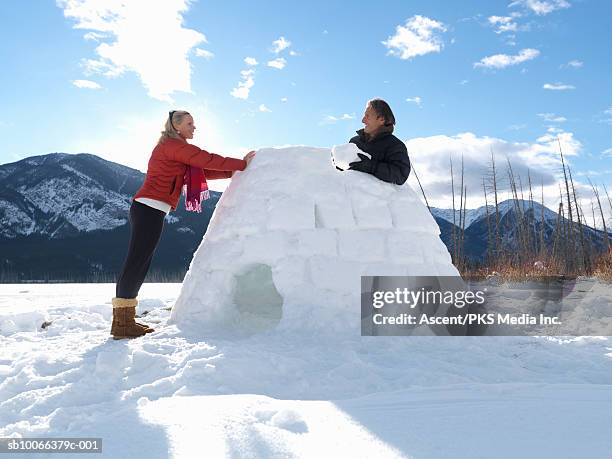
290	392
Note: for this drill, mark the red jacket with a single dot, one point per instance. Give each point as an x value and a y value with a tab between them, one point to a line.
167	166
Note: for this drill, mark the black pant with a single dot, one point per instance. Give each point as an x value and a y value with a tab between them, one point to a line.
146	227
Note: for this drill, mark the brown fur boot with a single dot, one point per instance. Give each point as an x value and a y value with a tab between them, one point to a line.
123	302
124	325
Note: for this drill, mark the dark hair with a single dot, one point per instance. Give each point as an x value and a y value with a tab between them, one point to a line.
382	109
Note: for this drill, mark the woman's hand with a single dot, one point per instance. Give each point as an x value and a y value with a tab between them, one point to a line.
249	157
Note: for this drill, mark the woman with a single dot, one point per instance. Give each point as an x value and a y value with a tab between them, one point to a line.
174	163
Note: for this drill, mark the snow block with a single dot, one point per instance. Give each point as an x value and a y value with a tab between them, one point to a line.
371	214
334	273
362	245
336	214
291	213
320	241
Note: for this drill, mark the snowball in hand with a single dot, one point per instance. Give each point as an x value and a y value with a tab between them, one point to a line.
343	155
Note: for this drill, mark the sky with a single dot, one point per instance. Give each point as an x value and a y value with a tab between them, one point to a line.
516	78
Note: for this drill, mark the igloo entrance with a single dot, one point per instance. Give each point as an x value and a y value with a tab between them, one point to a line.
257	301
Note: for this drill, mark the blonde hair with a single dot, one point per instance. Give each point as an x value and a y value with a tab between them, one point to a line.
174	117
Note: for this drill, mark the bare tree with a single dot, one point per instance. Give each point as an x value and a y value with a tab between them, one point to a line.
422	190
462	246
497	229
531	219
608	197
517	204
586	256
461	225
603	220
454	251
542	246
558	230
489	233
570	242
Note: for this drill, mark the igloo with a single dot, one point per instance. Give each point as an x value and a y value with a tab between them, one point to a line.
290	239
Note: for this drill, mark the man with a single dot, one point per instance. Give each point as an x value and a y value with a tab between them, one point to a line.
388	159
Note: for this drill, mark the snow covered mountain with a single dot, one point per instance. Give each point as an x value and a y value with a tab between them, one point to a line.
480	213
447	214
477	228
59	195
64	216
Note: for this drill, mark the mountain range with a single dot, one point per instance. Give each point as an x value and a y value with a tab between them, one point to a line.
542	223
63	217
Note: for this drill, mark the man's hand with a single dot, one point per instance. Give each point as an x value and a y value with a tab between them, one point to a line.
365	165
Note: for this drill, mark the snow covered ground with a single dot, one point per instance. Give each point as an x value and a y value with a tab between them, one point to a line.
287	392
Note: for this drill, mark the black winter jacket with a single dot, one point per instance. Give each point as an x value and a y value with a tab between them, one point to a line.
390	161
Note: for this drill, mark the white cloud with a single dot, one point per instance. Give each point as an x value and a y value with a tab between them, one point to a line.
283	99
263	108
558	86
94	36
204	53
93	67
414	100
418	37
607	152
608	111
503	24
244	87
552	118
280	44
576	64
278	63
500	61
430	156
250	61
147	38
330	119
293	53
571	146
87	84
542	7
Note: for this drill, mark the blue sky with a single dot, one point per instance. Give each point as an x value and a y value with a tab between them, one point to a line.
95	76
